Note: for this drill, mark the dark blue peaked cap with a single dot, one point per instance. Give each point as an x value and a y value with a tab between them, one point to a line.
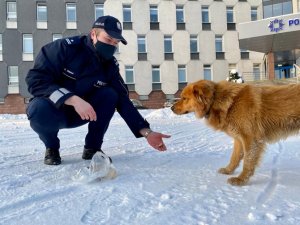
112	27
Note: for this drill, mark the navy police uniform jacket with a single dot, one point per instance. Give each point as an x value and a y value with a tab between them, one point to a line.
71	66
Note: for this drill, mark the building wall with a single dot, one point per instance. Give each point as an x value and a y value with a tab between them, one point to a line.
26	10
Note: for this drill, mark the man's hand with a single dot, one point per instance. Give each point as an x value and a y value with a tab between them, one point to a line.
83	108
155	139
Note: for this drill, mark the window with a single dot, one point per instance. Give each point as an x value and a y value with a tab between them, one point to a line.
168	44
287	8
179	14
11	11
155	74
71	12
181	74
244	54
193	44
207	72
13	80
41	12
13	77
56	37
27	44
194	47
229	12
153	13
129	78
141	44
276	8
256	71
156	84
205	14
127	13
1	47
219	43
99	11
253	13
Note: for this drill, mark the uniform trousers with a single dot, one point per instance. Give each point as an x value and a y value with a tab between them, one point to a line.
46	120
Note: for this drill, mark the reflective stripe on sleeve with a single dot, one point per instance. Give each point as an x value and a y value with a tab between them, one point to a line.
56	95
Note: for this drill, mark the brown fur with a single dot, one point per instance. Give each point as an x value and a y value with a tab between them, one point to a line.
252	115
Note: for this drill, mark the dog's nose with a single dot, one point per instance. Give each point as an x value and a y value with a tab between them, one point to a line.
172	107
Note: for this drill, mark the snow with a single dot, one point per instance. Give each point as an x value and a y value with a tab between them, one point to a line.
179	186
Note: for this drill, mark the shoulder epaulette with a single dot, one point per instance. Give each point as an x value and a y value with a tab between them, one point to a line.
116	62
73	40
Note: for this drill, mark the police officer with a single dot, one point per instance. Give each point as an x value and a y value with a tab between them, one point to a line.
76	81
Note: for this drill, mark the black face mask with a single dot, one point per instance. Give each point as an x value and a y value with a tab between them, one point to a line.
105	51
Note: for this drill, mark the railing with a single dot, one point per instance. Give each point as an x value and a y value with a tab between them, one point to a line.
297	72
251	76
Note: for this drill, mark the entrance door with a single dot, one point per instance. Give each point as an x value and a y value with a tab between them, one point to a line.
283	72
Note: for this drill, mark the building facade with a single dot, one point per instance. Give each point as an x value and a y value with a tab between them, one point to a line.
277	35
170	43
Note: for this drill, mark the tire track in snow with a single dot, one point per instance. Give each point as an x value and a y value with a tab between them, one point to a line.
258	211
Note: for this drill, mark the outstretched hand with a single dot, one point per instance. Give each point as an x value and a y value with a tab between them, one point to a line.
155	139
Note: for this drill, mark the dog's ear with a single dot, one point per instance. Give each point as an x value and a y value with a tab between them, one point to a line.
204	91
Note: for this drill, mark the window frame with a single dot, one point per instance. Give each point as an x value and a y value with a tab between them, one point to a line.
182	68
26	38
205	10
130	69
207	67
180	14
153	8
154	70
99	7
13	79
127	13
40	5
9	14
141	41
168	41
219	40
69	7
230	14
194	39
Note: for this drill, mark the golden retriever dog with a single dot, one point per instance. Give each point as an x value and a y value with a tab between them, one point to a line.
252	115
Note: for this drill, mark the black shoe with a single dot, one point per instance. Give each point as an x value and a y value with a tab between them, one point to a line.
89	153
52	157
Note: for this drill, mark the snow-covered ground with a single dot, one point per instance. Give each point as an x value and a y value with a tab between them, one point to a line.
179	186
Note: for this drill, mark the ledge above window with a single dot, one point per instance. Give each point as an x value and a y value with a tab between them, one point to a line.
127	25
11	24
27	56
206	26
231	26
156	86
180	26
169	56
71	25
154	25
220	55
41	25
142	56
195	56
131	87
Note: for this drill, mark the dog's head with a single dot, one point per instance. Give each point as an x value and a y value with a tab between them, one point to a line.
195	97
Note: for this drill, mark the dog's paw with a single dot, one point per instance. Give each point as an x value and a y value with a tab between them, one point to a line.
236	181
225	171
